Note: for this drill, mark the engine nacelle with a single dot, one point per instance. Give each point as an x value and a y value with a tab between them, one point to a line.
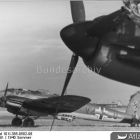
13	104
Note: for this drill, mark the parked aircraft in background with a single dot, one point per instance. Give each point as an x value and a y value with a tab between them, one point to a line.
101	112
28	105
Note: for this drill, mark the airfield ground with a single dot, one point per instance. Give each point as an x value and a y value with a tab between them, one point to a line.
43	124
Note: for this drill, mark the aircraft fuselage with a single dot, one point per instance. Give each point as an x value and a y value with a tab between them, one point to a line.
118	54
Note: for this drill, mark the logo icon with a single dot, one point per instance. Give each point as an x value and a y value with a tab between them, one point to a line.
125	136
121	137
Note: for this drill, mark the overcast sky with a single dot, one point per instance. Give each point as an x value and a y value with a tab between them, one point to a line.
31	48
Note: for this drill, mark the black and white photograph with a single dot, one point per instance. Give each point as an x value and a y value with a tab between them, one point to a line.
68	65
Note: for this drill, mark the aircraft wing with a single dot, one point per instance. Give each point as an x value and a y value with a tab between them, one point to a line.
67	103
90	117
96	112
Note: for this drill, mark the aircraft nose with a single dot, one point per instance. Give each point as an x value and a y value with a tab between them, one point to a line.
67	32
76	39
68	35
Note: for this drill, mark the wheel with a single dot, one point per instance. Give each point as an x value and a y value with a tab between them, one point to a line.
101	117
133	124
16	122
28	122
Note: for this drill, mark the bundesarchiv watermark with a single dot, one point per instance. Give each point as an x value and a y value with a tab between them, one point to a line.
59	69
125	136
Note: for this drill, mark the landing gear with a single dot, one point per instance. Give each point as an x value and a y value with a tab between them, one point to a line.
135	123
16	121
101	117
28	122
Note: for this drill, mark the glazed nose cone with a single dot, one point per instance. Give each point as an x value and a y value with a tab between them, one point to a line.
77	40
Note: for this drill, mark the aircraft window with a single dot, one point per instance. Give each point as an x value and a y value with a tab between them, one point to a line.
131	46
123	52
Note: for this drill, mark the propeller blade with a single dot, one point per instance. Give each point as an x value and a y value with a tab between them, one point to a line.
54	116
73	63
5	93
78	15
52	123
3	99
77	11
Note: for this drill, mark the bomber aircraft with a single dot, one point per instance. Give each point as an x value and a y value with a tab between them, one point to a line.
28	105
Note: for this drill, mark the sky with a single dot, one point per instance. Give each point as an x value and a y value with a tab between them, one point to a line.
33	56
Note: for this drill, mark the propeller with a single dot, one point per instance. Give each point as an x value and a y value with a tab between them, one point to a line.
5	93
78	15
73	63
4	97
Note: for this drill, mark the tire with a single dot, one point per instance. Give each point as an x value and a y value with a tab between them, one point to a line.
28	122
133	124
16	122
